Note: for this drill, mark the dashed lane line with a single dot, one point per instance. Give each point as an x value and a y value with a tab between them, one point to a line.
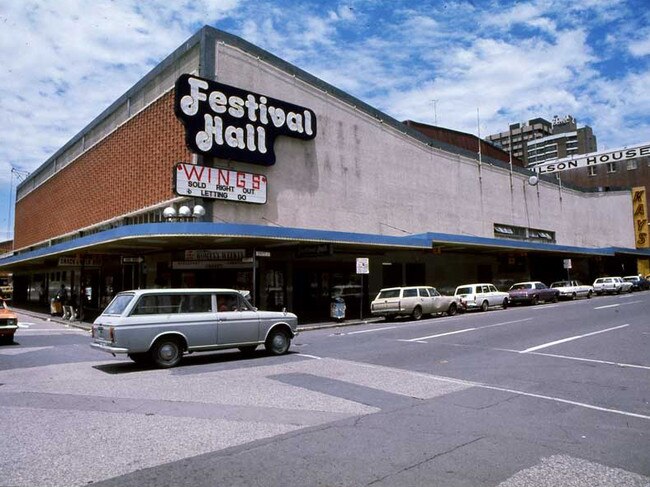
564	340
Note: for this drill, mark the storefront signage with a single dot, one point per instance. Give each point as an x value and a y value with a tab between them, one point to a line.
219	183
231	123
132	260
206	264
640	217
88	261
363	265
593	159
212	254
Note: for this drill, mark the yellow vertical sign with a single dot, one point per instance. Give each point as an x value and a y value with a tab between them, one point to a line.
640	218
640	212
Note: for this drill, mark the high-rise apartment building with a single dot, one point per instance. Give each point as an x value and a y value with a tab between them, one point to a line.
539	140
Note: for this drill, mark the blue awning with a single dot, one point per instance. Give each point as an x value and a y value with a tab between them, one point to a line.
173	232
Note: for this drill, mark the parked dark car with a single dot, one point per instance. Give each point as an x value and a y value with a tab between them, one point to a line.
532	292
638	283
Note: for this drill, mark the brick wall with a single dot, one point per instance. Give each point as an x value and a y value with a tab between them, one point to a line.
128	170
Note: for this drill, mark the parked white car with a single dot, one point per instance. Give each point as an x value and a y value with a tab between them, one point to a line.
573	289
414	301
612	285
481	296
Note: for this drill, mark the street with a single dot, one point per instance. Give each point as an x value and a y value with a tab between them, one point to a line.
555	394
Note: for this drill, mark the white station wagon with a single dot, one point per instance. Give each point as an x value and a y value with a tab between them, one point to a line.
159	325
481	296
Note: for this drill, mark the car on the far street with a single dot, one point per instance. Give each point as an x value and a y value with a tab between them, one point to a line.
8	323
414	301
573	289
638	283
532	292
611	285
481	296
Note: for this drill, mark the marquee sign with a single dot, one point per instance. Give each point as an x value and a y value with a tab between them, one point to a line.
219	183
231	123
593	159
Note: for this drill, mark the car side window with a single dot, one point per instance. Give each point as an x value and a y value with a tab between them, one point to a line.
433	292
155	304
199	303
485	289
492	289
540	285
227	302
423	292
410	293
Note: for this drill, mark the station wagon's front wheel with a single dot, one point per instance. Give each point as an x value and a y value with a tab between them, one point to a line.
277	343
417	313
166	353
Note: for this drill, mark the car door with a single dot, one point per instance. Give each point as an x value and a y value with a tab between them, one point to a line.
237	322
426	300
493	295
437	304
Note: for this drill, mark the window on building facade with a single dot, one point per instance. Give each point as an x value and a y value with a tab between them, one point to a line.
632	164
611	167
593	170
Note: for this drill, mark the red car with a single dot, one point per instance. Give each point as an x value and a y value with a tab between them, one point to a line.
8	323
532	292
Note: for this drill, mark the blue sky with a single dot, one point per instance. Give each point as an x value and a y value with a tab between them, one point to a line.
64	63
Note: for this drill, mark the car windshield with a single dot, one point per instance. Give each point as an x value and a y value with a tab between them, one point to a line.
517	287
464	290
560	284
389	293
118	305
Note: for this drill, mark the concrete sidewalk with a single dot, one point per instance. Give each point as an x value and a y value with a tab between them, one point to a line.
84	325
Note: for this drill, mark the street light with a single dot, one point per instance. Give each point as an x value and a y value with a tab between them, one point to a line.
184	213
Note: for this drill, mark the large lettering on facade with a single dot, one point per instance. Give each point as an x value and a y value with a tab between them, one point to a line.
230	123
640	215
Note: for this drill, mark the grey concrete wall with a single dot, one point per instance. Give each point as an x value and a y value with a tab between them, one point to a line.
361	175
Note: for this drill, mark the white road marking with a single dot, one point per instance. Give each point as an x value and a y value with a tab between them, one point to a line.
422	339
564	340
369	331
566	401
608	306
24	325
580	359
310	356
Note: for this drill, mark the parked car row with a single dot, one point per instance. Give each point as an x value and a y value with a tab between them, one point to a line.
417	301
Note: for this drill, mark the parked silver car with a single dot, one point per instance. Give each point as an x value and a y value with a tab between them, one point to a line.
481	296
414	301
159	325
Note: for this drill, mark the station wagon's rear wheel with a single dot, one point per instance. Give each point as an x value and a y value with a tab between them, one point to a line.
166	353
277	343
451	311
484	306
417	313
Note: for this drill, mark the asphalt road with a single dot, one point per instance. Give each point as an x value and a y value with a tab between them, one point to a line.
552	395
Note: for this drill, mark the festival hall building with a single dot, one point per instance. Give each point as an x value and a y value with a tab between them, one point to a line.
226	166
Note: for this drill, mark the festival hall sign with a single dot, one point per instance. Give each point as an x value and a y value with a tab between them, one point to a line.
219	183
230	123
